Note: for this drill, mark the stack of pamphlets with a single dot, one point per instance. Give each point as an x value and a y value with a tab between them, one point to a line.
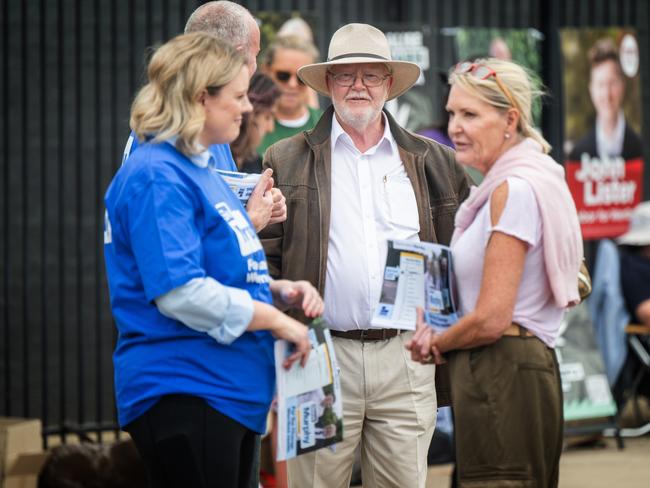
310	407
242	184
417	274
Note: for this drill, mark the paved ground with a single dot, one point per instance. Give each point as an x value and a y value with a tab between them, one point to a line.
588	467
593	467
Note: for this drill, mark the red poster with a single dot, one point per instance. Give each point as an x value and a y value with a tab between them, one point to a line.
605	193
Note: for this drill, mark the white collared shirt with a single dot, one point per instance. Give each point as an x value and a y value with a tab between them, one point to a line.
372	201
201	159
609	147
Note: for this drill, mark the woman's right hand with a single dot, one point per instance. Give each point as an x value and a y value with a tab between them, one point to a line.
423	344
420	343
267	317
293	331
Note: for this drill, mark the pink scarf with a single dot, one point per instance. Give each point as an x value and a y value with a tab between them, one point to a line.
561	229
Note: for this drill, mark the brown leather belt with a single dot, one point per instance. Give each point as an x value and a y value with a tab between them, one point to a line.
367	334
517	330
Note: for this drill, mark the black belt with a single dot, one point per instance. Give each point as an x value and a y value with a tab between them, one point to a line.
367	334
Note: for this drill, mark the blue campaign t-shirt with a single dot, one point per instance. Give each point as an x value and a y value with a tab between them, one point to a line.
169	221
220	152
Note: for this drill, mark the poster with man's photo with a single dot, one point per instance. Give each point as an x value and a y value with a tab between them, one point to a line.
602	143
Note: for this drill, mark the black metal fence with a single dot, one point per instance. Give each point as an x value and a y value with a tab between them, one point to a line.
69	71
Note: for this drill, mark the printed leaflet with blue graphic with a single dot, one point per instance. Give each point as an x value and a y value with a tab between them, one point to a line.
310	407
417	274
242	184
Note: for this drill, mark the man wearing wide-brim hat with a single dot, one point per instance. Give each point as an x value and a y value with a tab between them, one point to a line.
353	182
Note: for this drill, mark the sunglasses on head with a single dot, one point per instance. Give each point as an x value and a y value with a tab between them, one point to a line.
285	76
483	72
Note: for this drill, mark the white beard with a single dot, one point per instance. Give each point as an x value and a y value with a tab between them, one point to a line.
358	120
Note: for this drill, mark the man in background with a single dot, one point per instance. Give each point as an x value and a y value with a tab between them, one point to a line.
234	24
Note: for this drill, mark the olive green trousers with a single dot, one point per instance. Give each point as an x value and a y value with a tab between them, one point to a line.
507	400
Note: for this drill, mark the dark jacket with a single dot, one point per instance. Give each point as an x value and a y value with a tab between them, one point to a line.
297	248
632	145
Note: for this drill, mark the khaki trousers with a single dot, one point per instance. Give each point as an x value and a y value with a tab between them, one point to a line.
389	408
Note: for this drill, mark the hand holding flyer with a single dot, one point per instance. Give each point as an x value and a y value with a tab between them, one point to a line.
417	274
310	407
242	184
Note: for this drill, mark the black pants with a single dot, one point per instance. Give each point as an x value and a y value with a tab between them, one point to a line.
184	442
508	414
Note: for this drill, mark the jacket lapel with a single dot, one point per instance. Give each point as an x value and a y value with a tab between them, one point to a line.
319	141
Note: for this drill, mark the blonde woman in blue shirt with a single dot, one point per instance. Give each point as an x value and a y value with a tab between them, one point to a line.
190	291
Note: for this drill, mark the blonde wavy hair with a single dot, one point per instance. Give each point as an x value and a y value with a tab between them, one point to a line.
523	86
168	105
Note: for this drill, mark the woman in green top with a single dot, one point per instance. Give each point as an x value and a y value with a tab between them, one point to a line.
293	115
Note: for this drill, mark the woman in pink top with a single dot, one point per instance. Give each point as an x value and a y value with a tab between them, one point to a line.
517	248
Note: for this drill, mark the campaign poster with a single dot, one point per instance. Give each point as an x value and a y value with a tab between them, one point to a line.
584	383
416	109
603	116
523	46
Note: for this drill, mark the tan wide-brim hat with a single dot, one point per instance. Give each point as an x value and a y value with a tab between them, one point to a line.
639	231
360	43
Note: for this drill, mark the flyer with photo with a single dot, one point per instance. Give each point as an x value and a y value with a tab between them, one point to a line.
310	407
417	274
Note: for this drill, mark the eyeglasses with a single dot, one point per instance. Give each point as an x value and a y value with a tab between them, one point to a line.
483	72
285	76
347	79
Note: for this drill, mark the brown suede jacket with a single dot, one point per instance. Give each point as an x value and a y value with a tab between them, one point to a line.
297	248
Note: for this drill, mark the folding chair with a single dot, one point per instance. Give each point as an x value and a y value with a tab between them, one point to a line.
615	335
638	337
